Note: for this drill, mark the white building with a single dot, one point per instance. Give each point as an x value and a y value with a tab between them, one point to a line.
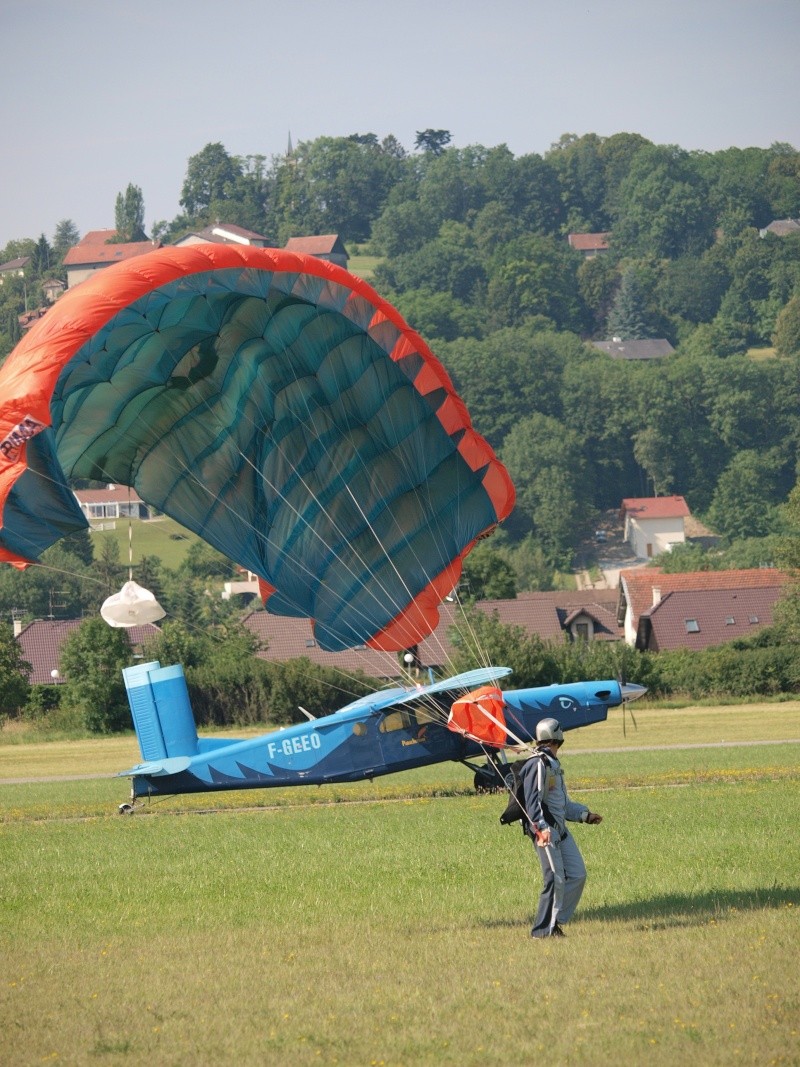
652	525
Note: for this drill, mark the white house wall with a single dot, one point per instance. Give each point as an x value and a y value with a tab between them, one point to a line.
659	534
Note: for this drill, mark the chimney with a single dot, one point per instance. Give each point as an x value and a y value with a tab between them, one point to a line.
17	627
656	595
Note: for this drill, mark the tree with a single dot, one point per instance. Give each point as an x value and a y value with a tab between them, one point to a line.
433	141
509	374
60	587
747	493
107	569
480	638
598	282
14	671
536	276
66	236
662	207
783	181
526	188
129	215
626	319
452	183
693	286
176	643
403	227
210	175
334	185
545	460
42	256
439	316
487	575
92	658
787	329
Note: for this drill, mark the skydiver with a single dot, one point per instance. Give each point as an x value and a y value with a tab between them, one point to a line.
548	807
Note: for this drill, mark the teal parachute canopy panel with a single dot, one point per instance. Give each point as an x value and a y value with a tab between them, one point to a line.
273	404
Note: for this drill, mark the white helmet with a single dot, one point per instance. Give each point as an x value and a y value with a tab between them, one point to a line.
549	730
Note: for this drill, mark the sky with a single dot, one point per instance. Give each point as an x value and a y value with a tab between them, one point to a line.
97	94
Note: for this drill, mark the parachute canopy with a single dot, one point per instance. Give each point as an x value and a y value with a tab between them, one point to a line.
273	404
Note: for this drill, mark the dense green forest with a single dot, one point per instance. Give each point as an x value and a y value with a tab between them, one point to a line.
471	245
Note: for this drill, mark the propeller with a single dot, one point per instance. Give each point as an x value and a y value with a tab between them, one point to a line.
630	691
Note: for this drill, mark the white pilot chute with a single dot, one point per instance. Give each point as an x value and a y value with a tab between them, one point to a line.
131	606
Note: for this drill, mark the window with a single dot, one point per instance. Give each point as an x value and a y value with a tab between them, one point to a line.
692	626
395	720
582	631
730	621
311	643
753	619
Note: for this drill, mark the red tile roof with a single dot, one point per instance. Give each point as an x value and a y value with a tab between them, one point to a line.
286	638
15	264
636	587
119	494
319	245
589	242
682	619
85	255
655	507
97	237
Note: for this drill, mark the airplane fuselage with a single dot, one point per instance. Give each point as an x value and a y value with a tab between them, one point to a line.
382	733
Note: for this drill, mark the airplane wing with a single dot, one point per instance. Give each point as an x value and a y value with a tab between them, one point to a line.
389	698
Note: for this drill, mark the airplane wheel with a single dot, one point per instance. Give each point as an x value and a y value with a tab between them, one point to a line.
126	809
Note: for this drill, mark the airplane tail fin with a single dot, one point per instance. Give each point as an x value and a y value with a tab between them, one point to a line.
161	709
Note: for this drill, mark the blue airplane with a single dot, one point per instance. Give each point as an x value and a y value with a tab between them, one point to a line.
384	732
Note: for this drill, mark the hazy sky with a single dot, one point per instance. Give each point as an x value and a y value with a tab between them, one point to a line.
95	94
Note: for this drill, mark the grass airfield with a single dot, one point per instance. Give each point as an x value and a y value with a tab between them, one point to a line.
387	922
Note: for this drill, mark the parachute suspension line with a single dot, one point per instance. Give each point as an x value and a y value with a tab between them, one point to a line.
130	537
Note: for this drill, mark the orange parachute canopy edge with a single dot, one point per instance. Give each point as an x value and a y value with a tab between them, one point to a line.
479	715
272	403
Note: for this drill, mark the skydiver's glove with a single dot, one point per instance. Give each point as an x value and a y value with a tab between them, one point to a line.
593	818
541	837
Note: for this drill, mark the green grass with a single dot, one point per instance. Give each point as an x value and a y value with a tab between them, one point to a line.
162	537
363	266
293	927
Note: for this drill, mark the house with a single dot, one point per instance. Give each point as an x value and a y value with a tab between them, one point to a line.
590	244
113	502
224	233
646	348
93	253
682	619
14	268
653	524
781	227
40	644
28	318
692	609
589	615
53	288
328	246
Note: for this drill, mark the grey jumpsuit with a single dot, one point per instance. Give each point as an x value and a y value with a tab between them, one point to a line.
548	806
